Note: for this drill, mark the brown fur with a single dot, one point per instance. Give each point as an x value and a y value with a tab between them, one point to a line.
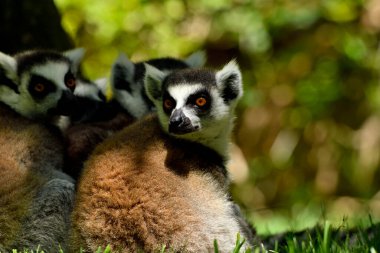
28	157
142	189
82	138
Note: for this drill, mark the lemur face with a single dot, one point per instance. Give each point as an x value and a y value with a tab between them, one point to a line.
38	84
194	104
185	106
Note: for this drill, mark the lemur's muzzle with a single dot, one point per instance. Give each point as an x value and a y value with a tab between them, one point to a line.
67	104
179	123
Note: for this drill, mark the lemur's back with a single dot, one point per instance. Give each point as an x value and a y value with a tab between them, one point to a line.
142	200
30	157
28	144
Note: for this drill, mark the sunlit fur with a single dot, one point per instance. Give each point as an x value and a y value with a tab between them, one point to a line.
143	188
82	137
36	198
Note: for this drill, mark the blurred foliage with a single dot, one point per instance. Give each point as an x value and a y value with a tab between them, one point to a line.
308	124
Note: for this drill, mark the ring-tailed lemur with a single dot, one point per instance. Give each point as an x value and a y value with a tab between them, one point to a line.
36	198
163	180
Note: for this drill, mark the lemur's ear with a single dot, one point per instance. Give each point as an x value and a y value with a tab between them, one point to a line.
76	56
122	73
196	59
8	72
229	82
153	82
101	84
8	65
9	92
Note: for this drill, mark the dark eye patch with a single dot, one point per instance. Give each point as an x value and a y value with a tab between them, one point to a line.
191	101
34	87
168	97
70	80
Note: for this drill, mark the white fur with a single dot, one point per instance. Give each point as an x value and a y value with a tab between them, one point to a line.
134	102
182	91
62	122
213	203
87	90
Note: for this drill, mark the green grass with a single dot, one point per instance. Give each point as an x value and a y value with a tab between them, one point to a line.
326	239
320	239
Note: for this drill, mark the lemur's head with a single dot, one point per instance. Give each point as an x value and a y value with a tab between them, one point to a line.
196	104
38	84
127	79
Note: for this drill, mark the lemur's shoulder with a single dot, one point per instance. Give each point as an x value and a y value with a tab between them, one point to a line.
181	156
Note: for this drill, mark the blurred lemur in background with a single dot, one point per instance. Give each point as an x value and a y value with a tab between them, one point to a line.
36	197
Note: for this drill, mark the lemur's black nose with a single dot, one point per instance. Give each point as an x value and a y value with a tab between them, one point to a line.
179	123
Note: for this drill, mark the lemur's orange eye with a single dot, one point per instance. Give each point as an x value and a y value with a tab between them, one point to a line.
70	83
39	87
201	101
168	104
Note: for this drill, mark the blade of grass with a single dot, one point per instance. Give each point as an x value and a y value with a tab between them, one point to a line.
326	237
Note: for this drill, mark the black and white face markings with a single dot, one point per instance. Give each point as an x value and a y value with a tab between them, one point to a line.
37	84
195	104
127	80
186	104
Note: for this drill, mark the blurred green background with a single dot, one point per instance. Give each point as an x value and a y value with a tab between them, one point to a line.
308	126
